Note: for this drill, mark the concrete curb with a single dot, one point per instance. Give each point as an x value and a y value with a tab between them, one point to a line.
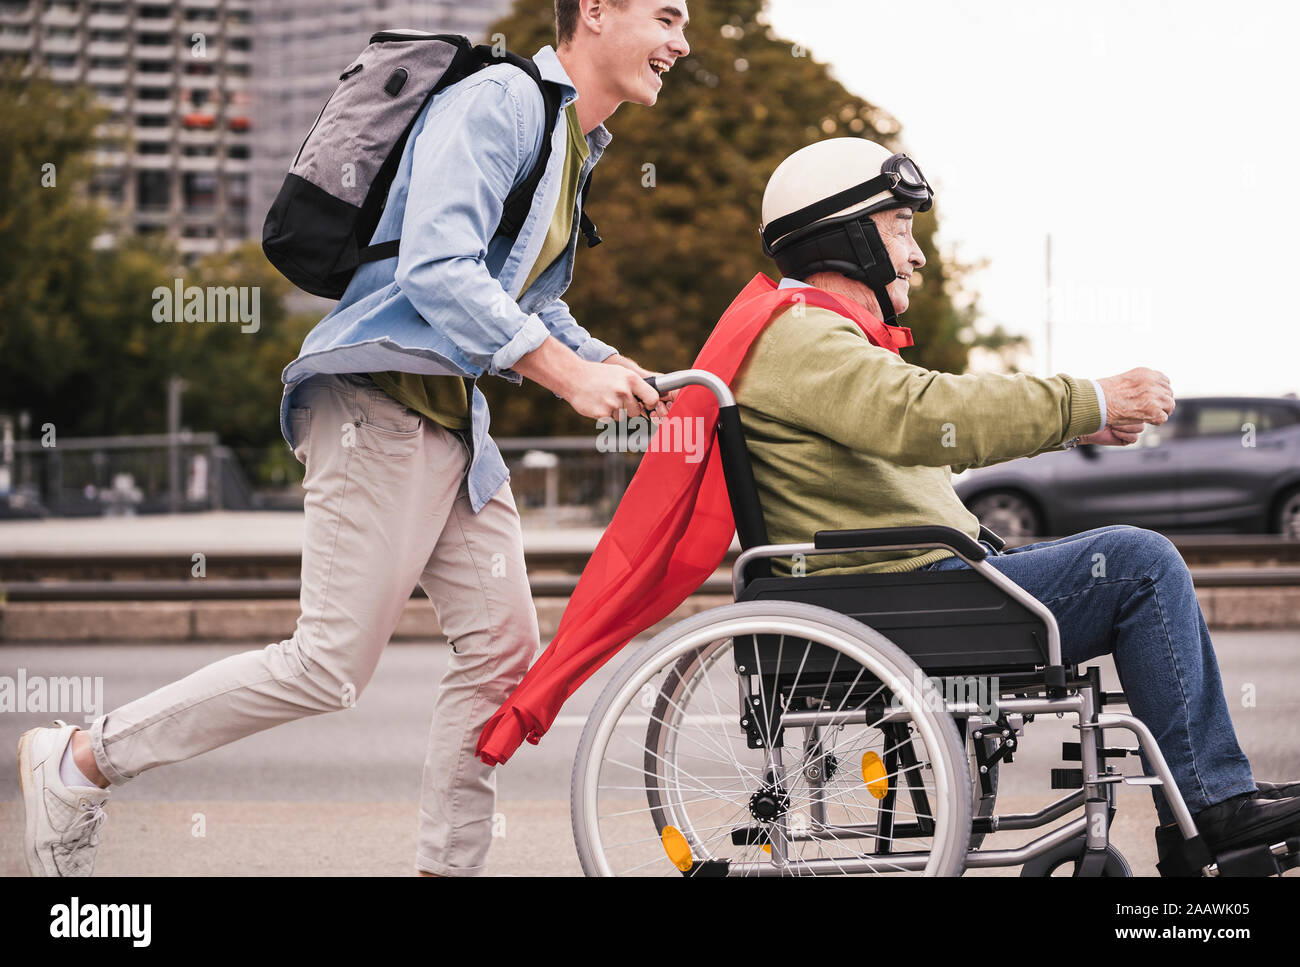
83	622
1228	608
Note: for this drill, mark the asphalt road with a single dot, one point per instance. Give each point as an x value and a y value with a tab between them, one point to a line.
338	793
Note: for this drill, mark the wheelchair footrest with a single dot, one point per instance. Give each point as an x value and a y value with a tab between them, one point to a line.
1259	860
1181	858
1067	778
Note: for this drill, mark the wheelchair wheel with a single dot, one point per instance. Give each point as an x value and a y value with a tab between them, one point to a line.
770	738
1064	861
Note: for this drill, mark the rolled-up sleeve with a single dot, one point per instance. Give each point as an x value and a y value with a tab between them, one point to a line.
561	324
464	163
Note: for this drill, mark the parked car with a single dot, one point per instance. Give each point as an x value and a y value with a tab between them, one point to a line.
1219	464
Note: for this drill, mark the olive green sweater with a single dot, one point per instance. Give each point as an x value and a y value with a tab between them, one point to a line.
844	434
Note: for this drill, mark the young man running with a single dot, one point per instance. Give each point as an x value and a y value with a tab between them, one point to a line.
403	483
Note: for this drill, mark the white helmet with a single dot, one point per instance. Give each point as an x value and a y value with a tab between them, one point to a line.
855	168
817	208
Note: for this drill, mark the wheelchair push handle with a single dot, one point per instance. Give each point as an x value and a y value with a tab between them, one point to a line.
667	382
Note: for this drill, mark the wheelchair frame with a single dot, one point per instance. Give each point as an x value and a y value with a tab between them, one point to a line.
1046	685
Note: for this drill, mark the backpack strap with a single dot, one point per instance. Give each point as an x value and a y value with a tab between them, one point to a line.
586	224
514	212
518	202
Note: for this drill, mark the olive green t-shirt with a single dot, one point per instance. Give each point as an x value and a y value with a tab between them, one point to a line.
445	399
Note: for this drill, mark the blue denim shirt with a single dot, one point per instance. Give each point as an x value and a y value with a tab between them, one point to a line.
449	302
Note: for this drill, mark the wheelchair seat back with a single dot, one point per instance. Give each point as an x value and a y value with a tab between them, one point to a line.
949	622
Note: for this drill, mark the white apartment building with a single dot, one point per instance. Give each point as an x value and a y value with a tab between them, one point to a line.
209	98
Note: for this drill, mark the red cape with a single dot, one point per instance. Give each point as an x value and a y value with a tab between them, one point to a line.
671	530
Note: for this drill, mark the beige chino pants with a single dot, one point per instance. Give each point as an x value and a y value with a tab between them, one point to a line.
386	508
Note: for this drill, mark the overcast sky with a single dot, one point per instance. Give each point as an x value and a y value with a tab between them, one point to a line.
1155	140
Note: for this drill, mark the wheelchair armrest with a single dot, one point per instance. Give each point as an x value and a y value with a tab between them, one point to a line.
948	537
987	535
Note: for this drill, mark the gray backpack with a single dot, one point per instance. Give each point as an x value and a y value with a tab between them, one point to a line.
319	228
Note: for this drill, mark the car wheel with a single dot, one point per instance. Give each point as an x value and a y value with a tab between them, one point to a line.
1287	519
1007	514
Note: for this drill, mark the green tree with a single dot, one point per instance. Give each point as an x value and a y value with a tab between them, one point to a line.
678	192
47	230
80	347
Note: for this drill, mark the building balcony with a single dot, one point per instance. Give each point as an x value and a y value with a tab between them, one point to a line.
10	15
107	21
106	76
154	136
154	52
65	75
166	106
60	45
61	17
197	135
107	48
109	159
210	29
206	163
151	162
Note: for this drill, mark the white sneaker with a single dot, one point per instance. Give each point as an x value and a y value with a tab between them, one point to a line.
62	821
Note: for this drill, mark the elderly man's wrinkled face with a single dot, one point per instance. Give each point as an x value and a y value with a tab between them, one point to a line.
895	227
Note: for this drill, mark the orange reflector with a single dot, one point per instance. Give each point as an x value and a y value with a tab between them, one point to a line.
874	775
767	848
678	850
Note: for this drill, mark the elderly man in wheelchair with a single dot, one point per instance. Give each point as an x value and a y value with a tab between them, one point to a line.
851	711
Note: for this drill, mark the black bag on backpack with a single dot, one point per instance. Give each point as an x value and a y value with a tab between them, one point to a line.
319	228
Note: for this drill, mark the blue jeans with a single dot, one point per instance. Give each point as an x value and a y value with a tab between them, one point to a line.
1126	591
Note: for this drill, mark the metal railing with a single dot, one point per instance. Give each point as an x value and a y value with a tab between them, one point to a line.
566	480
558	481
148	473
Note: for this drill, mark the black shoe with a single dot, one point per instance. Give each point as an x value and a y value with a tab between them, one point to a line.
1249	819
1277	790
1169	839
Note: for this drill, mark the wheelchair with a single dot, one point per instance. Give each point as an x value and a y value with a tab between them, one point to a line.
856	724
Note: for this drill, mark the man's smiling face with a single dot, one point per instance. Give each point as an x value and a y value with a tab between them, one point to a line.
895	227
641	41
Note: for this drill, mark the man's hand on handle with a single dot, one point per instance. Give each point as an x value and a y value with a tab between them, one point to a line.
665	399
596	390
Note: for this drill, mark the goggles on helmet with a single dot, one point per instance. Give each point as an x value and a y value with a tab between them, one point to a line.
899	175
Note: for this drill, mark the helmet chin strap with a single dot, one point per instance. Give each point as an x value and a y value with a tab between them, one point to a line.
876	267
851	246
